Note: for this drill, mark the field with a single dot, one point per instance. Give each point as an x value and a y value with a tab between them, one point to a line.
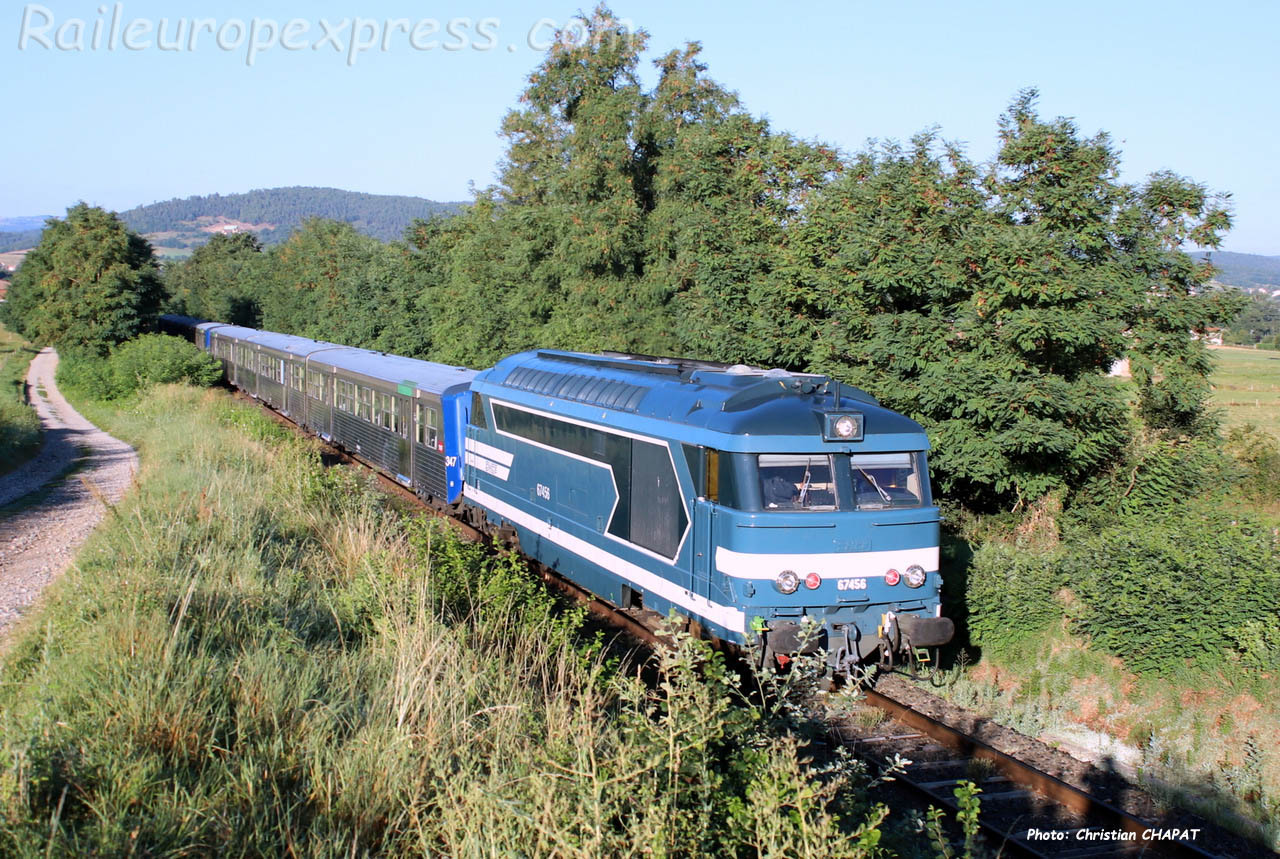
1246	383
19	426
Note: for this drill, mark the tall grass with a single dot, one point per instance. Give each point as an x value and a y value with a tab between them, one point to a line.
19	426
255	656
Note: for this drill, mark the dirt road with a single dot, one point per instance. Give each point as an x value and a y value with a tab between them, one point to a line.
52	513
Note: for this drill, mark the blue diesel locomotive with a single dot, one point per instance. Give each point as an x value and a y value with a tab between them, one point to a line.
751	502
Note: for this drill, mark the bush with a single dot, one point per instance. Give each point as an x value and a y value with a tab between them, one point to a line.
1190	588
151	359
1160	472
1258	454
1012	593
154	359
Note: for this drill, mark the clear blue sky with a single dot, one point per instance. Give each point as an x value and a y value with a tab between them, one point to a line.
1190	87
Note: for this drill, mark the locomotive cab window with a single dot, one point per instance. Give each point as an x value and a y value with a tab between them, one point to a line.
797	482
477	412
883	480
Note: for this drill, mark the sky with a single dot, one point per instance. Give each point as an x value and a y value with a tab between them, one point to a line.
329	94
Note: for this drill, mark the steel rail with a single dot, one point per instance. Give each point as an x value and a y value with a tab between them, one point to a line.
1069	796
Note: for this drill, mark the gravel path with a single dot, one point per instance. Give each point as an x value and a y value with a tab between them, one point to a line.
39	540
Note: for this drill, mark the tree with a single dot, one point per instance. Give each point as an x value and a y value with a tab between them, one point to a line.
221	280
989	303
332	283
89	284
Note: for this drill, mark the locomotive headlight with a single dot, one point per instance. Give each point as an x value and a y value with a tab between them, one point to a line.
787	582
915	576
839	427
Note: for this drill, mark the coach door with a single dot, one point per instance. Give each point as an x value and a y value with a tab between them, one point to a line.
404	448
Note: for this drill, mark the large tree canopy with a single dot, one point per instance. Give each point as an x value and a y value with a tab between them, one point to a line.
89	284
987	301
990	302
221	280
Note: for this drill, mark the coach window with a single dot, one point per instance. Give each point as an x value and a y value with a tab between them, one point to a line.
296	374
315	385
400	412
365	407
433	426
345	397
386	410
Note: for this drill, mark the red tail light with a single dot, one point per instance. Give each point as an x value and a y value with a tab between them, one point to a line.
892	577
812	581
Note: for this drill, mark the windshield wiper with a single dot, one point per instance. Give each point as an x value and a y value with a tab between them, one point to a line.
876	486
804	487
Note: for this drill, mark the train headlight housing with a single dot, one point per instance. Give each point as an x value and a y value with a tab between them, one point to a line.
892	577
915	576
843	428
787	582
813	581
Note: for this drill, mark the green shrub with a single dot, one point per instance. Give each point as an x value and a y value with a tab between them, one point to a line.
1258	454
19	425
1184	588
151	359
154	359
1012	593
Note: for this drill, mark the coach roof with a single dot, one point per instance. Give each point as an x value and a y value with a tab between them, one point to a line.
396	369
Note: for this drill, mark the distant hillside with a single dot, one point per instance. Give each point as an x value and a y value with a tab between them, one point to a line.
1245	270
22	225
176	227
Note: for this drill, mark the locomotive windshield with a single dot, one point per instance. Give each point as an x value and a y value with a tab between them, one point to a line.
883	480
797	482
809	481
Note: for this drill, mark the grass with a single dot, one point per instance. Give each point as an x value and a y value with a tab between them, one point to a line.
1203	738
256	655
1246	383
19	425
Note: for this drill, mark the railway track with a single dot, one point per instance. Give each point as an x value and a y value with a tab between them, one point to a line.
1035	801
1026	810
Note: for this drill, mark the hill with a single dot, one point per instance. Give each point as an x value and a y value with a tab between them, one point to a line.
176	227
1245	270
23	224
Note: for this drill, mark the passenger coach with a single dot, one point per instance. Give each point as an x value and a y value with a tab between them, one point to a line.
402	415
